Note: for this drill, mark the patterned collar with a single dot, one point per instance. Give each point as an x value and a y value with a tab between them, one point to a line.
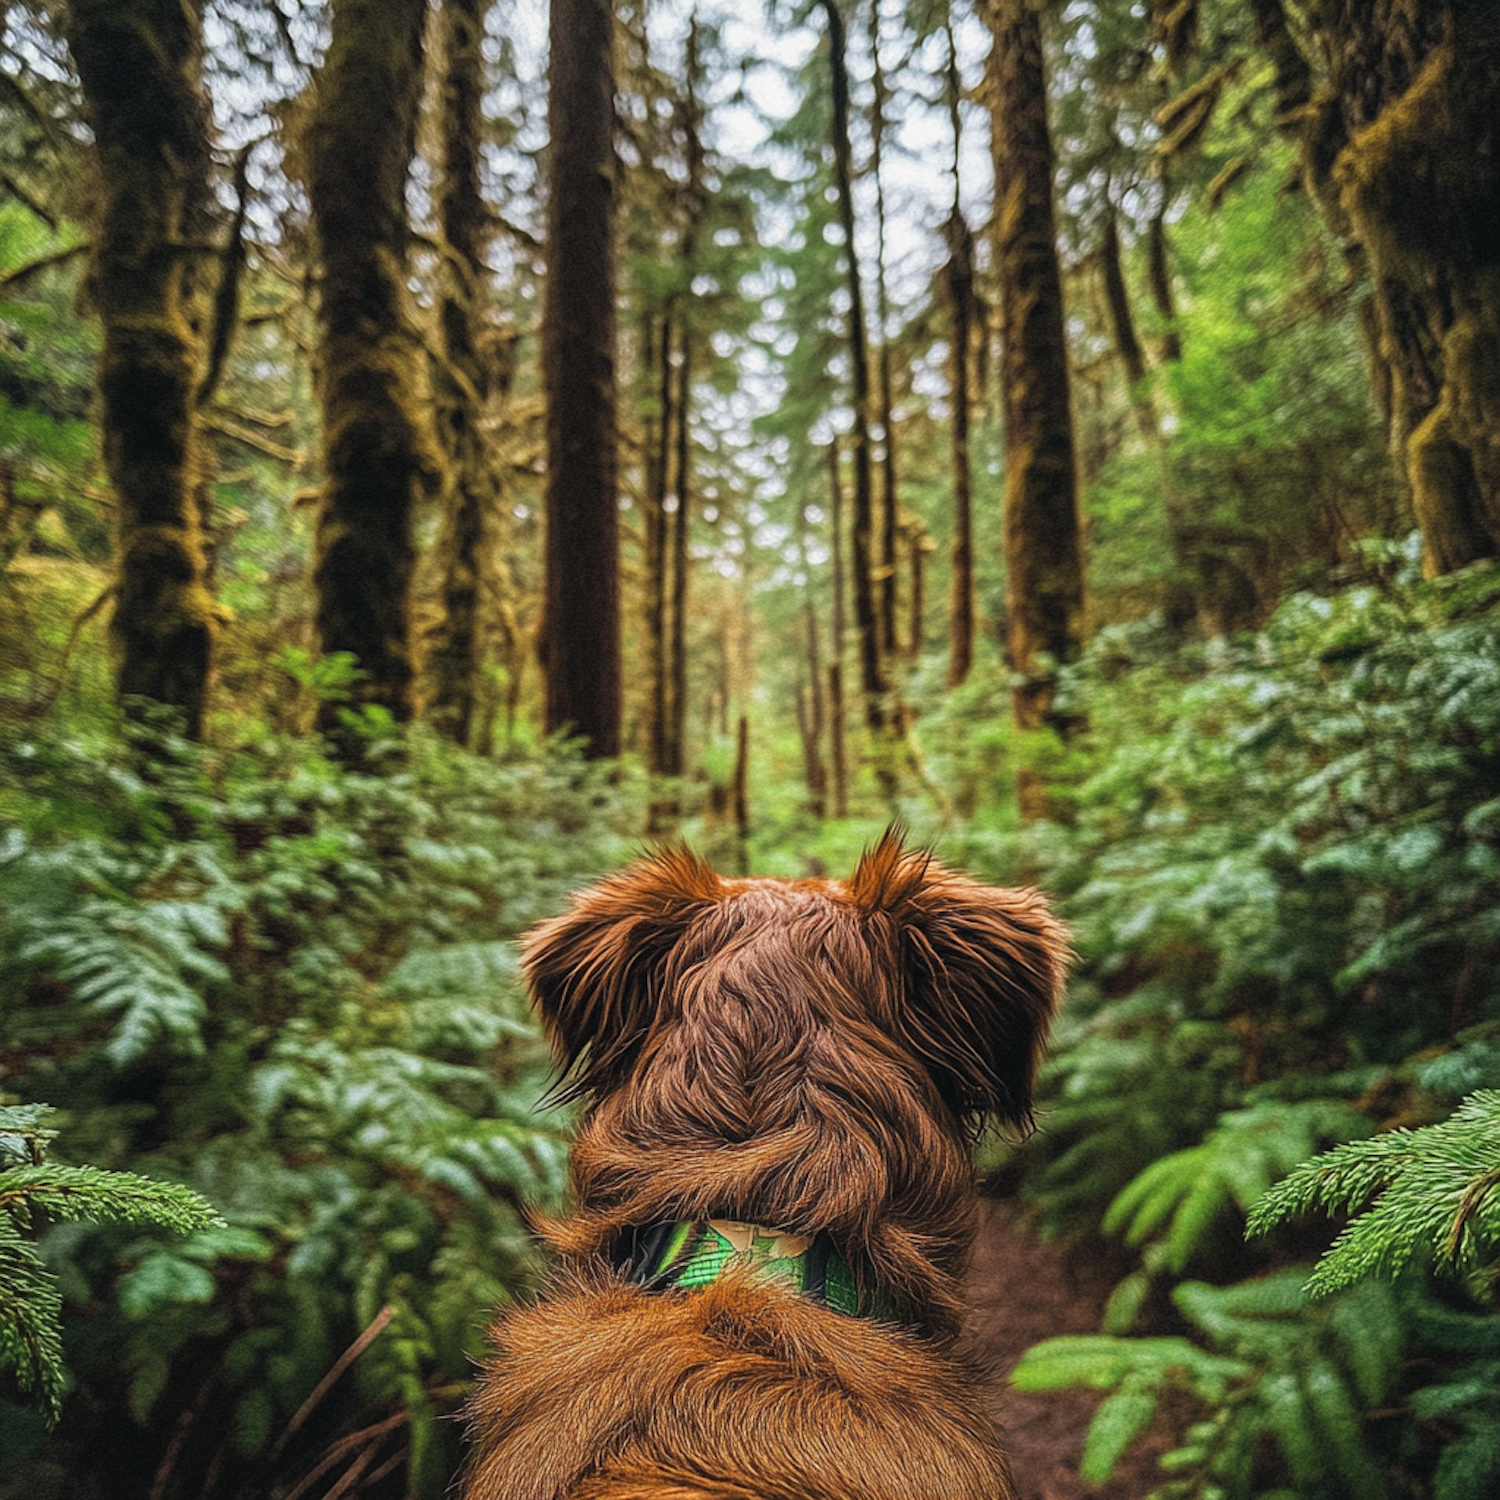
693	1254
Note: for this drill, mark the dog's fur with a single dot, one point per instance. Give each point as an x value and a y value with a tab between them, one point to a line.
808	1055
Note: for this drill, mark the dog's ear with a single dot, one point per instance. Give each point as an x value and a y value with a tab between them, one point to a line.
595	972
982	973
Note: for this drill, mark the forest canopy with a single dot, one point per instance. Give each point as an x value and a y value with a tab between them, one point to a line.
444	443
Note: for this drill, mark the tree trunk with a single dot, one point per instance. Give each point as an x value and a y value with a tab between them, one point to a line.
658	557
140	65
866	619
379	455
958	284
920	545
1405	153
582	621
741	794
811	709
888	594
1043	547
467	547
1183	595
837	715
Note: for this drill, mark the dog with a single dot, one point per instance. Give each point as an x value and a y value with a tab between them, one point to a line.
758	1293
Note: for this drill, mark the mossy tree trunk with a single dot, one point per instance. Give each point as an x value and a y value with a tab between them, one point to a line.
866	616
140	65
468	547
1403	151
1043	547
379	452
581	646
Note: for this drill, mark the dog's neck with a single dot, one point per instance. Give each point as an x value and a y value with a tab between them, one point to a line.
694	1253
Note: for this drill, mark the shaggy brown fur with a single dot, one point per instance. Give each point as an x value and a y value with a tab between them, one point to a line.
815	1056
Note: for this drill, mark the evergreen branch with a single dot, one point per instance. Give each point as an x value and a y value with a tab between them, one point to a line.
92	1193
1433	1191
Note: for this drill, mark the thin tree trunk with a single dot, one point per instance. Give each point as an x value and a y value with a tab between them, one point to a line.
1181	601
837	714
467	546
1043	547
890	509
811	712
741	793
681	520
867	623
1159	274
140	64
658	557
378	451
919	547
958	283
582	611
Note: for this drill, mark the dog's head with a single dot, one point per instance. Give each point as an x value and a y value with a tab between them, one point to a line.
738	996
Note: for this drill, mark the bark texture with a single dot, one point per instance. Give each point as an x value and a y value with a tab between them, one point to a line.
958	286
838	744
866	615
581	648
468	546
379	451
1043	548
140	65
1404	151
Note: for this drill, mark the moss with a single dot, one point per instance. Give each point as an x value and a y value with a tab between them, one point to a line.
1471	357
379	453
1444	496
1422	180
140	63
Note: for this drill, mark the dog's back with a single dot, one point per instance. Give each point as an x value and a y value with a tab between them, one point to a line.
801	1065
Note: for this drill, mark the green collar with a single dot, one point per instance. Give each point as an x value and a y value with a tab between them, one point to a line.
696	1253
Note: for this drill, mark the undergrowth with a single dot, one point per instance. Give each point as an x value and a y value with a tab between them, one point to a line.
1283	873
291	988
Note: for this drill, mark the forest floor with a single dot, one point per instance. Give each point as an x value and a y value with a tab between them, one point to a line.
1023	1291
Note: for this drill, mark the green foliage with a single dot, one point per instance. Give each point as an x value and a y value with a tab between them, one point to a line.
1272	1373
1434	1191
1185	1192
35	1191
292	988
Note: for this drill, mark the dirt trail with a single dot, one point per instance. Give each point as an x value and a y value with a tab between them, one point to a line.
1023	1291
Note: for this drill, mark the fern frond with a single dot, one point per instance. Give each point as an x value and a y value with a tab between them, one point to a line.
1188	1191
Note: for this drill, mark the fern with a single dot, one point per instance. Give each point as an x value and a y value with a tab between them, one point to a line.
1186	1192
1434	1191
30	1304
1273	1373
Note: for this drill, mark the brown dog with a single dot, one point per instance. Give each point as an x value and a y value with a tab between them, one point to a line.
760	1288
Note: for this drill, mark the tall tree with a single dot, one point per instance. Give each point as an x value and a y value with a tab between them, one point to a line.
1044	596
958	285
465	378
838	743
581	624
141	66
379	453
866	618
888	594
1403	150
694	195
